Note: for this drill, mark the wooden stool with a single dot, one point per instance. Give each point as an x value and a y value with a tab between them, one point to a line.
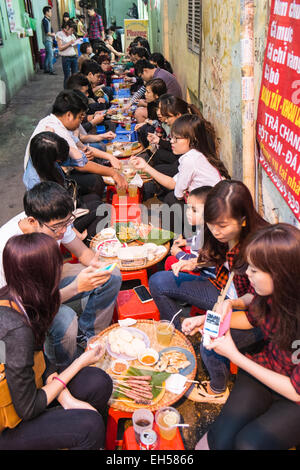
128	305
129	441
112	427
140	274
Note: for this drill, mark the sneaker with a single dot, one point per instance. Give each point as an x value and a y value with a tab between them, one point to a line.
199	393
81	340
52	73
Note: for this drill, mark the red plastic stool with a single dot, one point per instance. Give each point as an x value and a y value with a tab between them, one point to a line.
110	190
114	415
129	441
140	274
233	368
128	305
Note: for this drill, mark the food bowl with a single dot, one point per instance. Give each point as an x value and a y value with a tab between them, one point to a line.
119	366
108	233
149	357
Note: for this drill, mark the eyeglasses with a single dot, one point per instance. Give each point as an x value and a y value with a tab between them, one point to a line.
59	227
175	139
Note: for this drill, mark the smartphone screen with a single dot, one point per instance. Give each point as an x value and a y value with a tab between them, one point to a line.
212	323
143	294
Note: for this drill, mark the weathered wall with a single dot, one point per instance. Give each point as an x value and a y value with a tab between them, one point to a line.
220	82
16	65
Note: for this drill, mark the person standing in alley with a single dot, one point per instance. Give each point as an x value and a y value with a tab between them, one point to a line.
48	36
66	41
96	28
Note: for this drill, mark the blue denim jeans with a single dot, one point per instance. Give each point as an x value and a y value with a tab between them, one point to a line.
199	291
218	367
166	288
48	64
69	66
97	312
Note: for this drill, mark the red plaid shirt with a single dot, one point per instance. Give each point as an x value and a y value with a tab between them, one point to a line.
274	358
96	27
241	282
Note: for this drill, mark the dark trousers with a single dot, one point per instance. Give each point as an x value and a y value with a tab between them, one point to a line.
69	66
255	418
74	429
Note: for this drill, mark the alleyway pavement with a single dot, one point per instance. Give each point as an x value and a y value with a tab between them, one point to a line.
17	123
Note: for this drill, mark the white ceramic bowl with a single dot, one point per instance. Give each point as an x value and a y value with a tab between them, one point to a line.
148	352
108	233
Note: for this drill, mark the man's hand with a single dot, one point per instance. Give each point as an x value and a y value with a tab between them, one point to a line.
120	181
109	135
88	279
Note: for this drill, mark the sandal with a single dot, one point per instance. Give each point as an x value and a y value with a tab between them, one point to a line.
199	393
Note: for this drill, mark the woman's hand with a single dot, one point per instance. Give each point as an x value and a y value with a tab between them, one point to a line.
138	126
184	265
224	308
224	346
139	163
180	241
191	326
115	162
92	355
153	138
175	250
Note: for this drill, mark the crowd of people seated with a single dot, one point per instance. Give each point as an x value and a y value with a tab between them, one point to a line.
65	162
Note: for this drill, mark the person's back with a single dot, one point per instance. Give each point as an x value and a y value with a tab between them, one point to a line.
173	87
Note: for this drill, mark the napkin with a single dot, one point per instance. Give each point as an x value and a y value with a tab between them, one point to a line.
127	322
137	181
176	383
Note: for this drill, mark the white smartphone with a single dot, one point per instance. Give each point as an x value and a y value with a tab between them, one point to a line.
143	294
212	324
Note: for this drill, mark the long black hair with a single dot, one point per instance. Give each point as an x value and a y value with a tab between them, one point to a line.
46	150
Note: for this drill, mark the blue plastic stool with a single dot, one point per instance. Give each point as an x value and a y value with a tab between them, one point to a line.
100	129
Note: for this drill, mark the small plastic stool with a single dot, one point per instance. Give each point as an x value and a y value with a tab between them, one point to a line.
139	274
196	311
128	305
129	441
114	415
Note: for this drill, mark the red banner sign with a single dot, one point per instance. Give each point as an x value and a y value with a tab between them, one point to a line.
278	119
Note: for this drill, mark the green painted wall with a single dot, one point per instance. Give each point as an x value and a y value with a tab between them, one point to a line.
16	65
117	10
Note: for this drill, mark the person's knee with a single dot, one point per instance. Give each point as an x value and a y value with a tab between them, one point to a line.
156	282
92	430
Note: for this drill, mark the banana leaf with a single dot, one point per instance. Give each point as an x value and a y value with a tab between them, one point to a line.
158	378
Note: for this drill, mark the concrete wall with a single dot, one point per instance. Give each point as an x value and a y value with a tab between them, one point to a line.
16	65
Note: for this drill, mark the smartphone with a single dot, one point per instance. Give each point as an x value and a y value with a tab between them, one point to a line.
106	269
143	294
213	325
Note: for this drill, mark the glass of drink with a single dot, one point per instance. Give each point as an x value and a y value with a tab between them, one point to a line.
110	148
166	419
121	191
132	190
164	332
142	420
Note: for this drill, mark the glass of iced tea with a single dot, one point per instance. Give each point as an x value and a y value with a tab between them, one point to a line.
142	420
164	332
167	419
132	190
